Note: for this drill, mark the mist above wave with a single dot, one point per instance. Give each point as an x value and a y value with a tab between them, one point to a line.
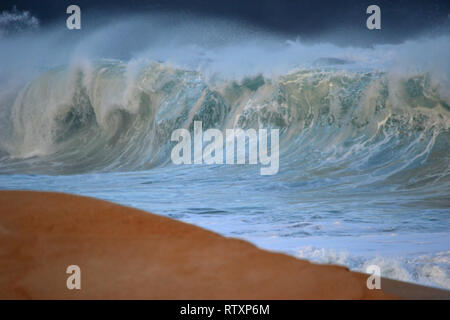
67	95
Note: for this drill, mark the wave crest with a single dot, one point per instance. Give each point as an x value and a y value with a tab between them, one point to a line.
110	115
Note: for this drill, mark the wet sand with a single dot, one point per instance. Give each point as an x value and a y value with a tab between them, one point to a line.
125	253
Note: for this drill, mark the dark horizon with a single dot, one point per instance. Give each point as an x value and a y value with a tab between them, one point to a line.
308	19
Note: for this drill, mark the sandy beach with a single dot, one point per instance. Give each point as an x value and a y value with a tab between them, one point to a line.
124	253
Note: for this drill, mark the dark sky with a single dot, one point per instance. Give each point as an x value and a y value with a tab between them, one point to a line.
401	19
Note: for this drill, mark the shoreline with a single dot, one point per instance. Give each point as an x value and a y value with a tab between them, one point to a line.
126	253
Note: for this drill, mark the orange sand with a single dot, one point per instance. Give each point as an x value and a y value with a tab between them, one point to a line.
126	253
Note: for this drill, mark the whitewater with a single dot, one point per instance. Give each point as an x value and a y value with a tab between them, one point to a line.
364	166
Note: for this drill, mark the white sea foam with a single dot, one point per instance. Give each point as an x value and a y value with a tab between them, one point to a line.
430	270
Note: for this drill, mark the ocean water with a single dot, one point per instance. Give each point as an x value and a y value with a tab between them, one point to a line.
364	174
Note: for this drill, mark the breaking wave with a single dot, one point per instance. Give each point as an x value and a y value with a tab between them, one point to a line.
110	115
356	116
